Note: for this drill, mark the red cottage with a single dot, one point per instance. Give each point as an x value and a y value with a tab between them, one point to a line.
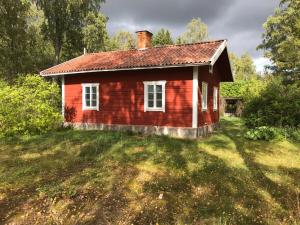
171	90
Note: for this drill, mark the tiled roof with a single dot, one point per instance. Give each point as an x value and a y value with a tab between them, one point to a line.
171	55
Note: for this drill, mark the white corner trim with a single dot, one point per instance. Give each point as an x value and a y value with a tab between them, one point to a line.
195	96
215	98
217	54
155	109
84	107
63	97
206	96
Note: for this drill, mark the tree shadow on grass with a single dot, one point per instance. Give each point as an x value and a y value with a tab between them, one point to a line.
60	166
279	192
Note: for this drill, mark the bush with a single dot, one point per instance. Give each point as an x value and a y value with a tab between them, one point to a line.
30	106
278	105
263	133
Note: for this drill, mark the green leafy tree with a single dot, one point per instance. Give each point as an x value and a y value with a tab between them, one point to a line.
95	35
123	40
281	40
13	29
22	46
197	31
243	67
162	37
64	22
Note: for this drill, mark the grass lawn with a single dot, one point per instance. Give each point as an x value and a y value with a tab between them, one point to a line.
94	177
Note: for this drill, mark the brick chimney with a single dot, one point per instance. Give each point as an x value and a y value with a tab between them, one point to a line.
144	39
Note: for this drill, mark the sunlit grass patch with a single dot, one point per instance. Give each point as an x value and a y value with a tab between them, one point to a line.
97	177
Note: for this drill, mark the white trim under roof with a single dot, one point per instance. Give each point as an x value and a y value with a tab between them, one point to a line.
124	69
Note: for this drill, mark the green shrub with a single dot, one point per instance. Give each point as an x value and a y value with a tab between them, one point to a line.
263	133
29	106
278	105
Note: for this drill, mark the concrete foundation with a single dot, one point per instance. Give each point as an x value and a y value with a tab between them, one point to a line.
178	132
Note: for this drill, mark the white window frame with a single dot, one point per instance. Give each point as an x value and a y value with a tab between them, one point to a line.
215	98
90	85
204	95
155	109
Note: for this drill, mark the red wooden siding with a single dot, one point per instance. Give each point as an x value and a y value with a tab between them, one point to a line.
213	80
122	98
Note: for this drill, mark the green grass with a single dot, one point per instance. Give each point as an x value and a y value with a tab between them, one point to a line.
93	177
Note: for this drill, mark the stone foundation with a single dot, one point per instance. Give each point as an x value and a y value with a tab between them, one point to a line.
178	132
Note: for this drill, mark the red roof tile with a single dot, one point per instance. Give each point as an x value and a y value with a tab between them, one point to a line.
171	55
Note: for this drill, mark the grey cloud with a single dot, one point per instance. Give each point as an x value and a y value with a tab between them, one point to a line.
240	21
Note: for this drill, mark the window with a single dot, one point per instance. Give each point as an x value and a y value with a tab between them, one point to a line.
90	96
215	98
154	96
204	96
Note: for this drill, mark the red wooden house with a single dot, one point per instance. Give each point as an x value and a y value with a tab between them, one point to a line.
171	90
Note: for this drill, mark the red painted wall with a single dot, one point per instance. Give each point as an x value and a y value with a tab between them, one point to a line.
122	98
213	80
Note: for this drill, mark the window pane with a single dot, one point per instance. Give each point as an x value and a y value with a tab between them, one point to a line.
150	104
88	103
159	96
158	88
150	96
94	103
159	104
150	88
87	90
87	96
94	96
94	90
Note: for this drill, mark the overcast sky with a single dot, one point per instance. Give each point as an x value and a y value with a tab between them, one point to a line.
239	21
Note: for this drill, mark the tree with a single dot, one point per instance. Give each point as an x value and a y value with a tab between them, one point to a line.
281	40
63	23
95	36
22	47
243	67
123	40
162	37
196	32
13	28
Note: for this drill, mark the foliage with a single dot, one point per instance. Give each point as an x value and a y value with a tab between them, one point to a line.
29	106
262	133
80	174
22	47
123	40
281	40
243	67
196	32
162	37
246	89
64	23
277	105
233	89
95	35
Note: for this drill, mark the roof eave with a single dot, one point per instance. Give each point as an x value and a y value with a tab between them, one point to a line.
124	69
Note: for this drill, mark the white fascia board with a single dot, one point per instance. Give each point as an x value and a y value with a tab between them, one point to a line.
124	69
217	54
